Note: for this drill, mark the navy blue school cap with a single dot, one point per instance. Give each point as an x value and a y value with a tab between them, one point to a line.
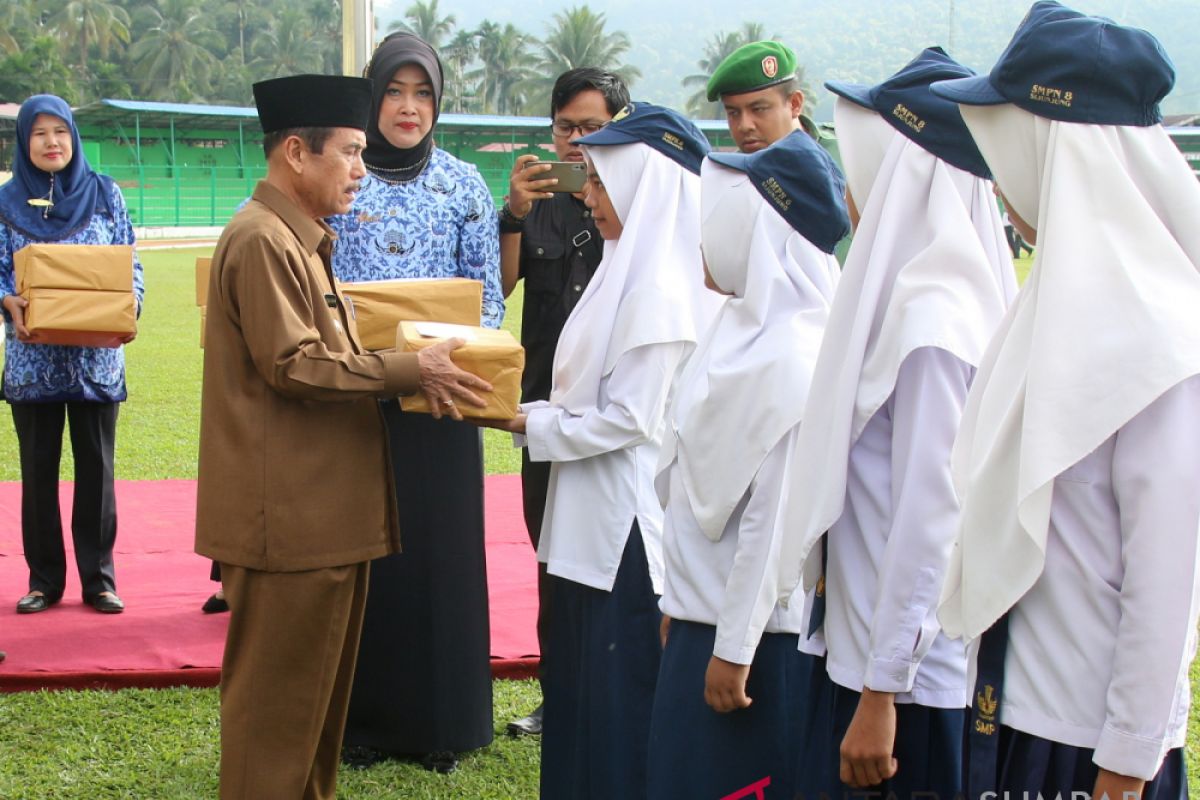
662	128
802	183
933	122
1070	67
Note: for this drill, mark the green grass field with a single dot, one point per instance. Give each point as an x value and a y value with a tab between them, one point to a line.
163	744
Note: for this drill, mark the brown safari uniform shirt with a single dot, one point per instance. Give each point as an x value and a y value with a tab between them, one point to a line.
294	471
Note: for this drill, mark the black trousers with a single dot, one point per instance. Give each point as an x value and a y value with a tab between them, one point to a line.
535	483
93	428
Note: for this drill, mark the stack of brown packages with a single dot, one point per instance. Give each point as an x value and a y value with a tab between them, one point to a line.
203	269
381	305
493	355
79	294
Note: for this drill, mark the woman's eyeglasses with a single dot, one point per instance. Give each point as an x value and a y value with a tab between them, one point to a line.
565	130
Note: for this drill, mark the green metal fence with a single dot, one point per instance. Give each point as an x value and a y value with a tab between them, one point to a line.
183	195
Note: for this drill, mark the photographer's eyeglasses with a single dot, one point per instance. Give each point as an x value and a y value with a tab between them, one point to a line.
565	130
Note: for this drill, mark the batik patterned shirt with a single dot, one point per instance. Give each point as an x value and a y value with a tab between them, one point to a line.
49	373
441	225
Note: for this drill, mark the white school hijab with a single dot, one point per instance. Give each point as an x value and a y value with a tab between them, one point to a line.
745	386
1108	320
928	267
649	287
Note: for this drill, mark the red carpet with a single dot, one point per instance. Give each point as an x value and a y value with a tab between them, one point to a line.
162	639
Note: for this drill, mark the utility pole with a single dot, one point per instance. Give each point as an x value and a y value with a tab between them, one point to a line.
950	37
358	35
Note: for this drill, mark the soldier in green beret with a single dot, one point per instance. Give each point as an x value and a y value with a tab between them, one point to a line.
757	84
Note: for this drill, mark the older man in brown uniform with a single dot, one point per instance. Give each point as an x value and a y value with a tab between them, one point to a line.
295	491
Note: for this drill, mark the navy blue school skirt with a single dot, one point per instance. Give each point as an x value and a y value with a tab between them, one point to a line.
817	749
698	754
605	650
1031	764
928	750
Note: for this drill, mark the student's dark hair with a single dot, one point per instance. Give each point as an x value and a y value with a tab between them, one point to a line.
574	81
314	138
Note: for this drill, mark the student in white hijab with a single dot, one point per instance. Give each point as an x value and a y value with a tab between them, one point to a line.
732	680
927	279
617	360
1079	456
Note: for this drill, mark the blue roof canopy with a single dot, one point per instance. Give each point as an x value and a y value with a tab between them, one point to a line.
232	117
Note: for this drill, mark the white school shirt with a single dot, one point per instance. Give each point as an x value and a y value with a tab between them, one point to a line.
731	583
1099	647
888	552
602	478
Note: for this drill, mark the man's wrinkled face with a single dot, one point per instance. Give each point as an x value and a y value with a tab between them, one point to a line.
330	179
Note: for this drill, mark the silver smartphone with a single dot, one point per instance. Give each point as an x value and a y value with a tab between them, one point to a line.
572	175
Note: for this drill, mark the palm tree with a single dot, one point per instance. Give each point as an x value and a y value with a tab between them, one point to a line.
423	20
37	67
174	58
19	22
506	65
286	48
238	22
457	55
716	50
578	39
326	19
92	21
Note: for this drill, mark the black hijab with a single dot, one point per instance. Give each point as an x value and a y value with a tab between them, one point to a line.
392	53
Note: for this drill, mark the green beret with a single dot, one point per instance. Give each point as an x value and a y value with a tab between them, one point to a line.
752	67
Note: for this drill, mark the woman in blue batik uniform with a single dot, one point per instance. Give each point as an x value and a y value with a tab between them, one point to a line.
55	197
423	683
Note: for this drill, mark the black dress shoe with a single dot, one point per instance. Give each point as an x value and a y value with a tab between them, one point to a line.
107	603
33	603
442	762
215	605
359	757
527	726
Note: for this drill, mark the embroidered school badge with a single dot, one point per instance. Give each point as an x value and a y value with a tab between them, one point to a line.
770	66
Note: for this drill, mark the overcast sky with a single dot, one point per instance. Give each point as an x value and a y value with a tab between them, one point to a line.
668	36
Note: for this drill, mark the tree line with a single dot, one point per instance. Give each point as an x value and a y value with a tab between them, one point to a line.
201	51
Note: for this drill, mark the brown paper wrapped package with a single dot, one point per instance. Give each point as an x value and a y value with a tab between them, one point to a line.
80	317
203	270
493	355
78	294
98	267
380	305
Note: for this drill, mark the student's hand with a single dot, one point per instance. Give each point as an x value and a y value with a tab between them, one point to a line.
725	685
514	425
444	384
664	629
524	185
1117	787
867	749
15	305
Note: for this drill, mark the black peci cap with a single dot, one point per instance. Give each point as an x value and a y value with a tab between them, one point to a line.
313	101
